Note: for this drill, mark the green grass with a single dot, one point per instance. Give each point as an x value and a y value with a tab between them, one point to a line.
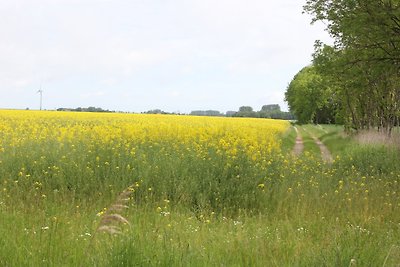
191	211
288	140
335	139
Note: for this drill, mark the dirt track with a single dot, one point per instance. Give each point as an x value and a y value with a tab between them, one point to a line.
325	154
299	147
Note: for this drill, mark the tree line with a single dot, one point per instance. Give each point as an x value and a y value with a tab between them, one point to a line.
356	80
88	109
267	111
272	111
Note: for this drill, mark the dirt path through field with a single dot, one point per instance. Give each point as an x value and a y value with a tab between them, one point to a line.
325	154
299	146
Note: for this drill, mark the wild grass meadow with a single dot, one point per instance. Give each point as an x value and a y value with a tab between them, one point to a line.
91	189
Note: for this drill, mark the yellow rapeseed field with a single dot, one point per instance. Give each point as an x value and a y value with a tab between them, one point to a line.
226	135
175	156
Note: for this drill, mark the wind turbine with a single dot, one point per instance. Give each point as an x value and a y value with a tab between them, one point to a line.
40	91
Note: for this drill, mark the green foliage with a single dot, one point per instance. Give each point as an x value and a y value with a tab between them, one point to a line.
363	64
271	108
309	97
155	111
267	111
206	113
246	111
89	109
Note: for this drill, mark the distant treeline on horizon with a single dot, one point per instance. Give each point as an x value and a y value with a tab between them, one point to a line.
272	111
267	111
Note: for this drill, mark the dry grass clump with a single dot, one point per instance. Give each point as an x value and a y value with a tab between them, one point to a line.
378	138
111	217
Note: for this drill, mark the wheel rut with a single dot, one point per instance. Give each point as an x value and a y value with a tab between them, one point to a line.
299	147
325	153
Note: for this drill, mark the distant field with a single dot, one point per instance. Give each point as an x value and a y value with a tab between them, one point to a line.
196	191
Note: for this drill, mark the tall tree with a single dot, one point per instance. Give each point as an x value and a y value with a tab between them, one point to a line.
246	111
309	97
364	62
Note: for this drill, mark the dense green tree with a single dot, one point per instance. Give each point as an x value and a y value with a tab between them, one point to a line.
370	27
270	108
246	111
366	93
363	65
154	111
230	113
206	113
309	98
272	111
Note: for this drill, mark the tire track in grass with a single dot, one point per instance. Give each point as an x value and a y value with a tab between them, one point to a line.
325	153
299	146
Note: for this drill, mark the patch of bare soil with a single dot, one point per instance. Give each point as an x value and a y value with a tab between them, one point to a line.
299	146
325	153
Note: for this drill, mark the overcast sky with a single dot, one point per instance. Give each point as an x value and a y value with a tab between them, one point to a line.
137	55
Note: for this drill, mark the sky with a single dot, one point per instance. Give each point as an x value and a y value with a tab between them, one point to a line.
138	55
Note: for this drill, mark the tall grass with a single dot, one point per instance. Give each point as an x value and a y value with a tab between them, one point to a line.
288	140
